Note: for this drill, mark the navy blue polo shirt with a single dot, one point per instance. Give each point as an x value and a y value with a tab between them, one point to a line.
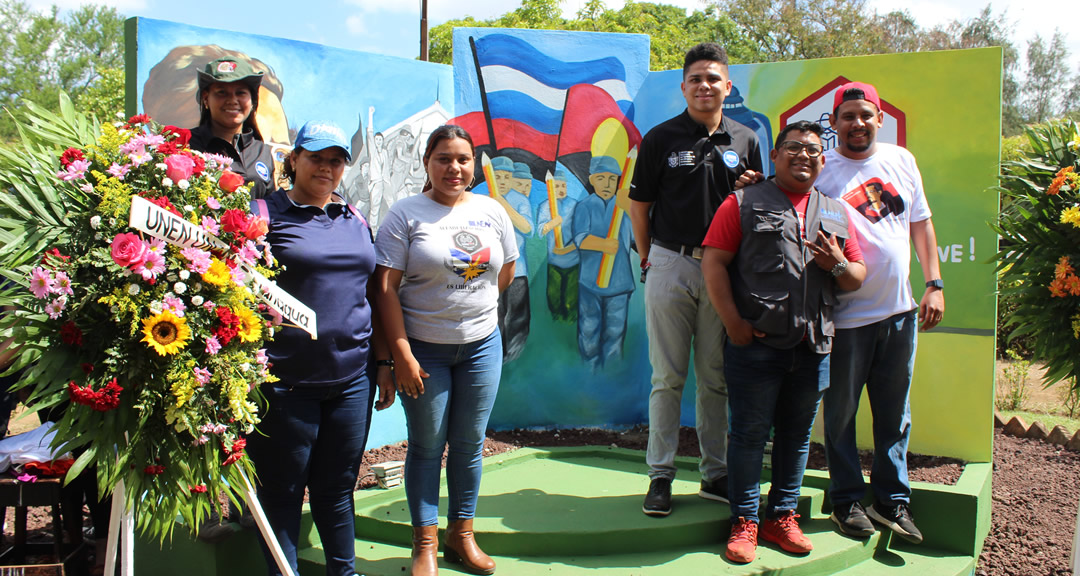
686	173
328	257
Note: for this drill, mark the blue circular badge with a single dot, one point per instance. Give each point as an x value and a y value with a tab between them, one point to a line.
264	172
731	158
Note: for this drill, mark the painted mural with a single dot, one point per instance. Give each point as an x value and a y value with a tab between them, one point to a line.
302	81
389	105
557	117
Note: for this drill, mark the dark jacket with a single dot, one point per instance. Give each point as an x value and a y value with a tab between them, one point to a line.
252	157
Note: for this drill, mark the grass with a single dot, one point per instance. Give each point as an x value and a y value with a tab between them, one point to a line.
1049	420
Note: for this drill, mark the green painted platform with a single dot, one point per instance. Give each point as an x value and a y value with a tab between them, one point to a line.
578	511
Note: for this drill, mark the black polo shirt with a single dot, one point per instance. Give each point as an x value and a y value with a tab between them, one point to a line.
686	174
252	158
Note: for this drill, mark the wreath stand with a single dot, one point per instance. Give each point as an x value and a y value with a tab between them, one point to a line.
122	529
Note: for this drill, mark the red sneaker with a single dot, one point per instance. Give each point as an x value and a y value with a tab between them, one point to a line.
742	544
785	532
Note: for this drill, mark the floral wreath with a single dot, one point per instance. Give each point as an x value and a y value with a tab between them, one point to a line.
150	345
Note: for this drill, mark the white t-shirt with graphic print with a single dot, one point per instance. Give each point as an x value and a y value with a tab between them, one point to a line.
451	259
883	195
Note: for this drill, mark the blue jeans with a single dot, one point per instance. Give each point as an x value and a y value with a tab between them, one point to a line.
314	437
454	409
770	389
881	356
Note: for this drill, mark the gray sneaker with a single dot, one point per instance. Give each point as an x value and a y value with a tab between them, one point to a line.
658	500
714	490
851	518
896	518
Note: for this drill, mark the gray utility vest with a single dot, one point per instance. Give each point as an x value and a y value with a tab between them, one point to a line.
776	285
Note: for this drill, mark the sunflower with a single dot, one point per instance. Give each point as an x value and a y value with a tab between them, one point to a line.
218	274
250	325
166	333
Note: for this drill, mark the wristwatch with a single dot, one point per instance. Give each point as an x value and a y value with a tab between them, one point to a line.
839	270
939	284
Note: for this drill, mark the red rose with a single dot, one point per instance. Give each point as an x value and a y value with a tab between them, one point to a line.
230	181
256	228
163	201
234	221
138	119
128	250
177	136
168	148
179	167
70	334
70	155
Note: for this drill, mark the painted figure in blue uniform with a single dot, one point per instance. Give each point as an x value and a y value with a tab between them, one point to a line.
602	311
563	262
514	180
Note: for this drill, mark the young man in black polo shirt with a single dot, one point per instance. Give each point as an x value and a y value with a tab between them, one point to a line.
686	167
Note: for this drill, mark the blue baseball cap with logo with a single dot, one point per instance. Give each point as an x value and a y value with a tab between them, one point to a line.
320	135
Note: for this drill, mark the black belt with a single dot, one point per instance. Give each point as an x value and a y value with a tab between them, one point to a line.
691	251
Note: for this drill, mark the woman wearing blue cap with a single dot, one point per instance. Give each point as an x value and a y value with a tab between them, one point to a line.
316	425
228	99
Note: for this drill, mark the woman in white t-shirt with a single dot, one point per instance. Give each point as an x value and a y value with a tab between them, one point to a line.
442	258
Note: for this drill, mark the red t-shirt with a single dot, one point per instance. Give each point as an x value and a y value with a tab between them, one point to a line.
725	232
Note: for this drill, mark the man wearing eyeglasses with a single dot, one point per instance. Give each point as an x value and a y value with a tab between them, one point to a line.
882	189
686	167
776	255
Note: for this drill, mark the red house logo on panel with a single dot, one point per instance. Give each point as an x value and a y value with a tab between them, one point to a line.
817	106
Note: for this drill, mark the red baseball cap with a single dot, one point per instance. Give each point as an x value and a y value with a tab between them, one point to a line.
856	91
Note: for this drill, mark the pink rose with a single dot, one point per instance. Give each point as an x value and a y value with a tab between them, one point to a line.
256	228
230	181
128	250
179	167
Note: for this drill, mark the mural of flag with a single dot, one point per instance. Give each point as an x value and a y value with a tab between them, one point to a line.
588	106
525	93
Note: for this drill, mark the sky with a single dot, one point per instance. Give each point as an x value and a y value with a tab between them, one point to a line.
391	27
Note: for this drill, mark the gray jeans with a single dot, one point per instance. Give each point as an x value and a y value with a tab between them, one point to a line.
679	317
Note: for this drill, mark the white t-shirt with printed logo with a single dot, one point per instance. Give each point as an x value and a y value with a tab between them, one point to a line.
451	259
883	195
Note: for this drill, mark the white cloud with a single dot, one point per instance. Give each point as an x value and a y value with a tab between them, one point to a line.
355	25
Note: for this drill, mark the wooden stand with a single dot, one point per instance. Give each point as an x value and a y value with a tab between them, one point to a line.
45	492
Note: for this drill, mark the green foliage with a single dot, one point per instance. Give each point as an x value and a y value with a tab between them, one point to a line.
1012	389
44	54
672	31
1070	400
1039	226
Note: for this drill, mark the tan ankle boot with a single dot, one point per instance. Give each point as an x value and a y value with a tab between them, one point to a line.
425	551
460	547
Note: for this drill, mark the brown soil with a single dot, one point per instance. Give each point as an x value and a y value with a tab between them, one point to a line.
1036	491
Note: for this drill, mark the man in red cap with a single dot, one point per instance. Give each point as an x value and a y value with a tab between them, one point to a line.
881	187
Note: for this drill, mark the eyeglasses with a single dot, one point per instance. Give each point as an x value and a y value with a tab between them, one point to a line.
793	148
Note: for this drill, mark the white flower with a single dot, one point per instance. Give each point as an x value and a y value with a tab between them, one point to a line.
155	307
112	221
179	287
198	286
161	166
196	300
118	124
98	236
167	182
245	367
133	289
184	274
183	185
120	115
95	222
171	277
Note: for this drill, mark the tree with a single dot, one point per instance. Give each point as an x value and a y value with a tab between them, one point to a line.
803	29
672	30
42	54
1046	82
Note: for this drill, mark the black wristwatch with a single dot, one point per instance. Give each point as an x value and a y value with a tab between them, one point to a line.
388	363
939	284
